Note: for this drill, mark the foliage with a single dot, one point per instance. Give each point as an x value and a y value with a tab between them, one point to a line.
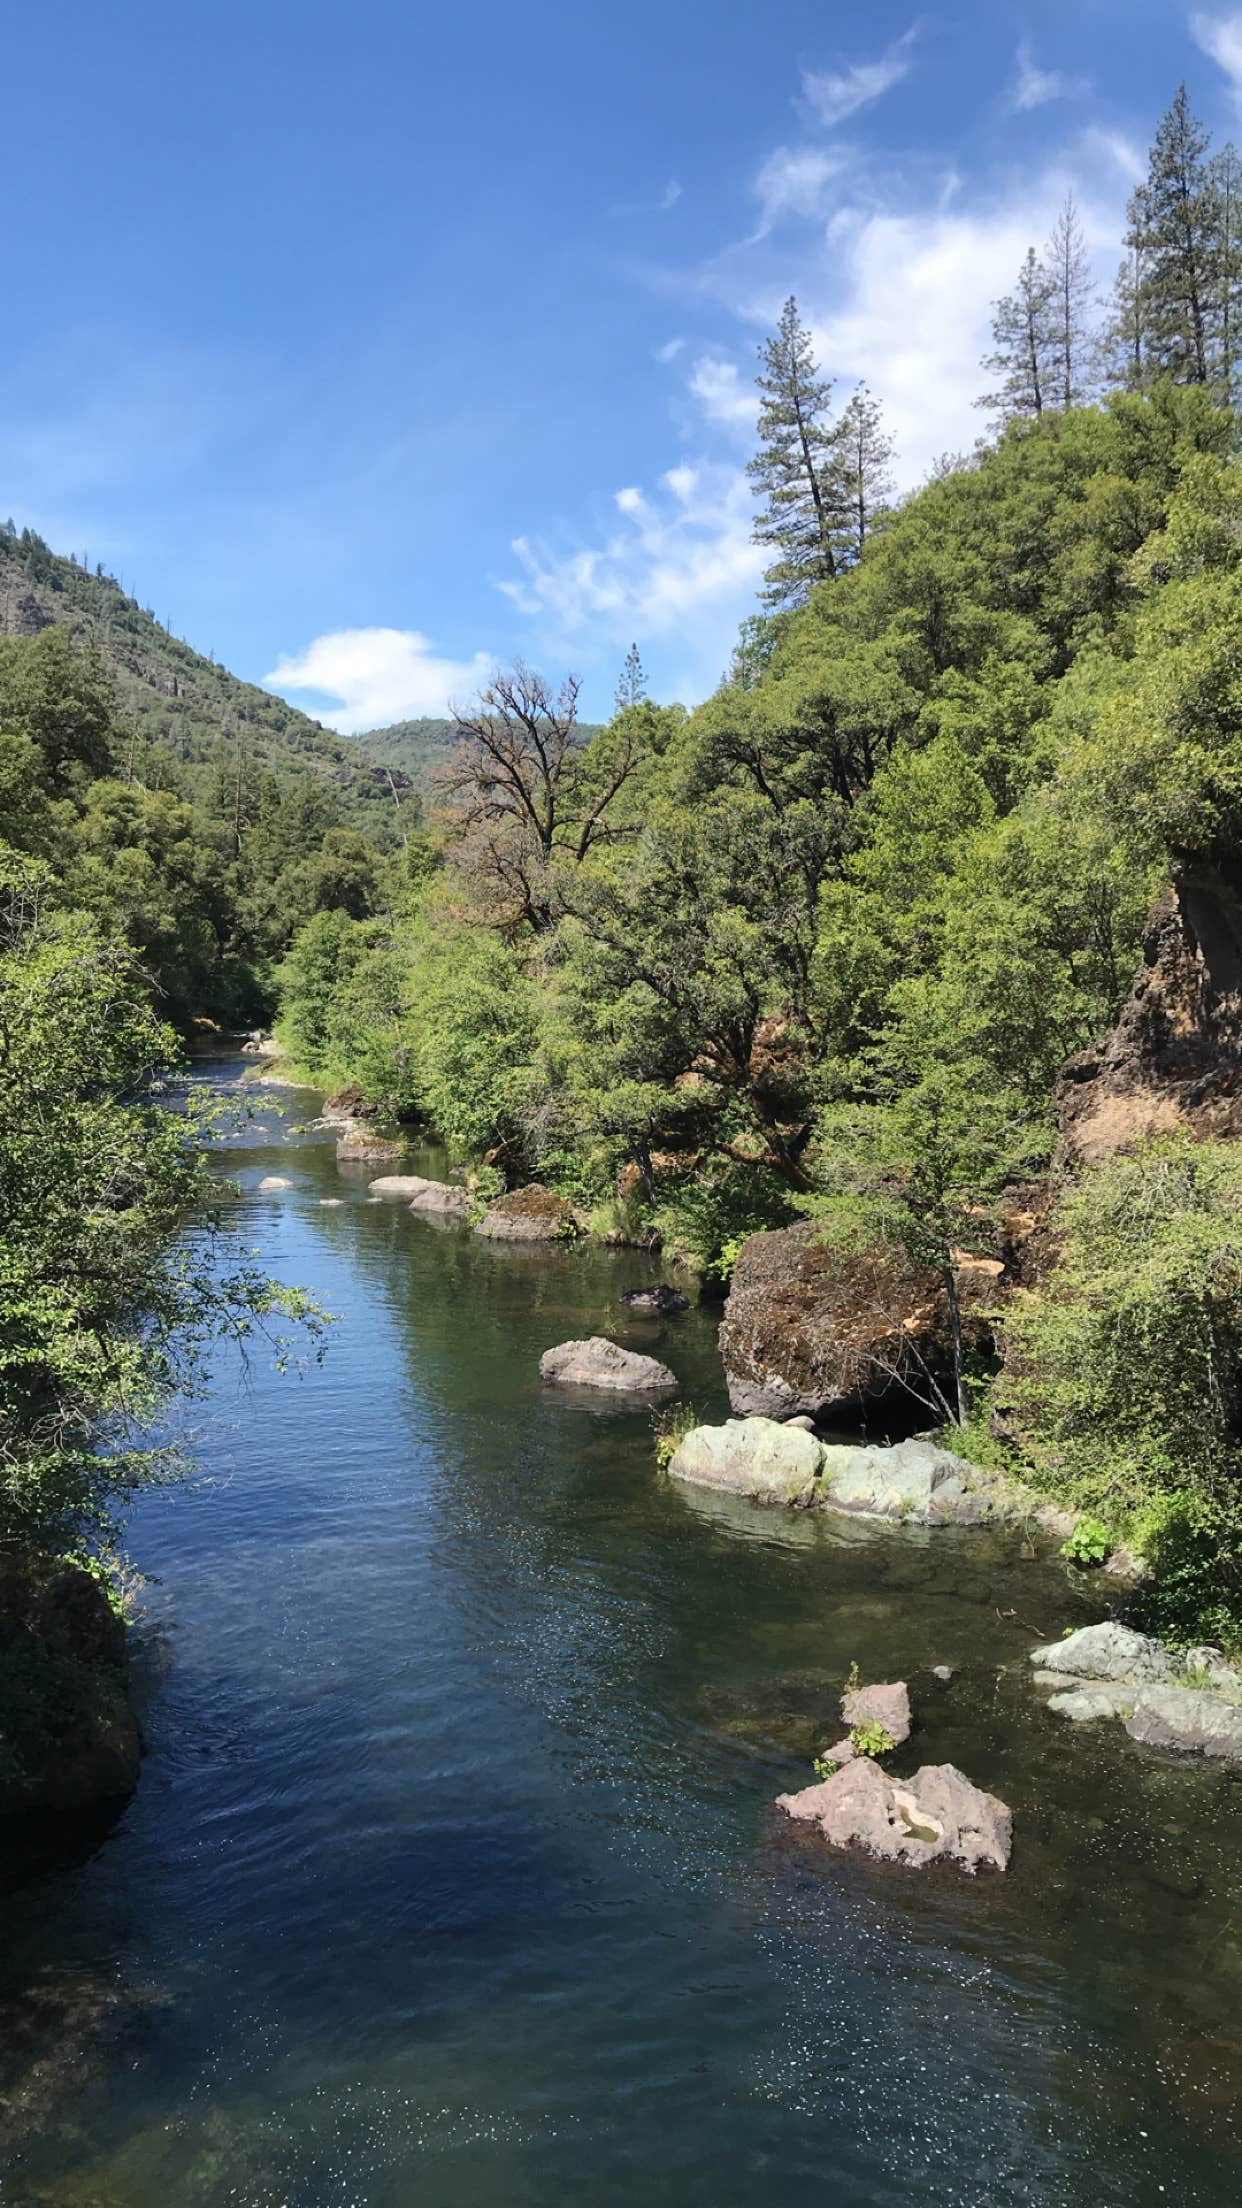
671	1425
871	1738
1088	1544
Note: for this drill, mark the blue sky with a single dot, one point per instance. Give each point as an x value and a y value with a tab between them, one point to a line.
373	343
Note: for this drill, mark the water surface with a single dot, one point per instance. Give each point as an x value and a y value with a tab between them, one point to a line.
453	1876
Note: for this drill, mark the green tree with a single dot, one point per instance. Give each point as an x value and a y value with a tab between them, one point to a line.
1175	217
1024	337
863	482
1072	295
794	471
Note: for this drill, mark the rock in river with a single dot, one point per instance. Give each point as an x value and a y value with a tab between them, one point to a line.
532	1214
271	1182
1189	1700
660	1298
915	1482
70	1738
599	1363
936	1813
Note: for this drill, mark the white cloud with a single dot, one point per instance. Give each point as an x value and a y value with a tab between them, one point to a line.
794	181
1035	87
834	94
682	566
1120	153
721	393
672	193
670	350
1220	36
379	676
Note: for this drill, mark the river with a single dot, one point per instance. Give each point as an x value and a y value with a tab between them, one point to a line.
453	1876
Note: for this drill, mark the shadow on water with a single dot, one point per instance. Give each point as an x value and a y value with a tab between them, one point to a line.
454	1874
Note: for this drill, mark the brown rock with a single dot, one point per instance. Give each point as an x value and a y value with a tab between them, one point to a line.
1174	1059
813	1329
532	1214
888	1706
348	1104
599	1363
936	1813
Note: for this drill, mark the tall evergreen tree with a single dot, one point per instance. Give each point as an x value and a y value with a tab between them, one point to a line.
1023	338
863	485
793	470
1226	176
1122	362
1072	294
1175	217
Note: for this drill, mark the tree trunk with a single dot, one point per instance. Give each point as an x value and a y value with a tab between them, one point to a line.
955	1336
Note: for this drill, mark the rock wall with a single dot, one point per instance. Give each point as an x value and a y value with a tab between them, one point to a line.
1174	1059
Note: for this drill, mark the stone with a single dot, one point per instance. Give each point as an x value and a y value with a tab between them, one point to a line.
359	1142
660	1298
82	1747
599	1363
914	1482
331	1203
888	1706
936	1814
1192	1720
755	1457
1085	1705
1106	1651
402	1187
346	1107
806	1424
809	1329
441	1196
943	1672
532	1214
271	1182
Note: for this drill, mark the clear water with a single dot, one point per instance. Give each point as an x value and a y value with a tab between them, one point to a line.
453	1876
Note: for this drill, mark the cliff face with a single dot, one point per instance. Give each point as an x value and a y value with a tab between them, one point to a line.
1174	1059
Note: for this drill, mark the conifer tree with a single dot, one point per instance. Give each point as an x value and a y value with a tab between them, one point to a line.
632	684
1175	218
1023	337
793	470
1072	293
862	482
1122	363
1226	176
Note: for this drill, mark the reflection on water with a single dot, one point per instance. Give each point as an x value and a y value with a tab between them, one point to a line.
453	1875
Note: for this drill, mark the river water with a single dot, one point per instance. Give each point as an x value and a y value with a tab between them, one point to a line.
453	1877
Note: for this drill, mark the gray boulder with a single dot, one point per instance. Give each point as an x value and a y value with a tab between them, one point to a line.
271	1182
887	1705
935	1814
755	1457
1106	1651
599	1363
914	1482
532	1214
1085	1705
441	1196
402	1187
660	1298
1191	1719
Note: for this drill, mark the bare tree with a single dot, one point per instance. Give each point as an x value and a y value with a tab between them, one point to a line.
1073	294
528	795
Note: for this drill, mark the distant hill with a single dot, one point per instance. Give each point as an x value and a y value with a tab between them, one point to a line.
415	748
173	695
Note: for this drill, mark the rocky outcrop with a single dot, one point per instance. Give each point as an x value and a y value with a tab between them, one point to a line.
1187	1700
912	1482
599	1363
532	1214
662	1299
68	1738
1174	1059
935	1814
346	1107
809	1328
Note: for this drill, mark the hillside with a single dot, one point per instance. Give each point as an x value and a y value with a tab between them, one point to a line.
415	748
170	694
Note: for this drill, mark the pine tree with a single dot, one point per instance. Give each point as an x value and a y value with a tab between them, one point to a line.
1226	178
1122	360
1175	217
793	468
632	685
863	484
1023	334
1072	296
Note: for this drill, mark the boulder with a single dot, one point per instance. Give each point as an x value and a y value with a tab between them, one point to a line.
346	1107
1192	1720
1086	1705
532	1214
660	1298
914	1482
935	1814
755	1457
441	1197
1174	1059
68	1738
1106	1651
599	1363
887	1705
361	1142
402	1187
272	1181
809	1328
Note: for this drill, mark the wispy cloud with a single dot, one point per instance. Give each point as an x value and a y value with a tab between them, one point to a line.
662	205
795	180
832	95
1220	36
1035	87
377	676
680	564
725	399
670	350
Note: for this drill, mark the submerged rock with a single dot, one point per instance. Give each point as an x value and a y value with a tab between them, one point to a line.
808	1328
532	1214
599	1363
661	1298
1192	1720
272	1181
936	1813
1086	1705
914	1482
